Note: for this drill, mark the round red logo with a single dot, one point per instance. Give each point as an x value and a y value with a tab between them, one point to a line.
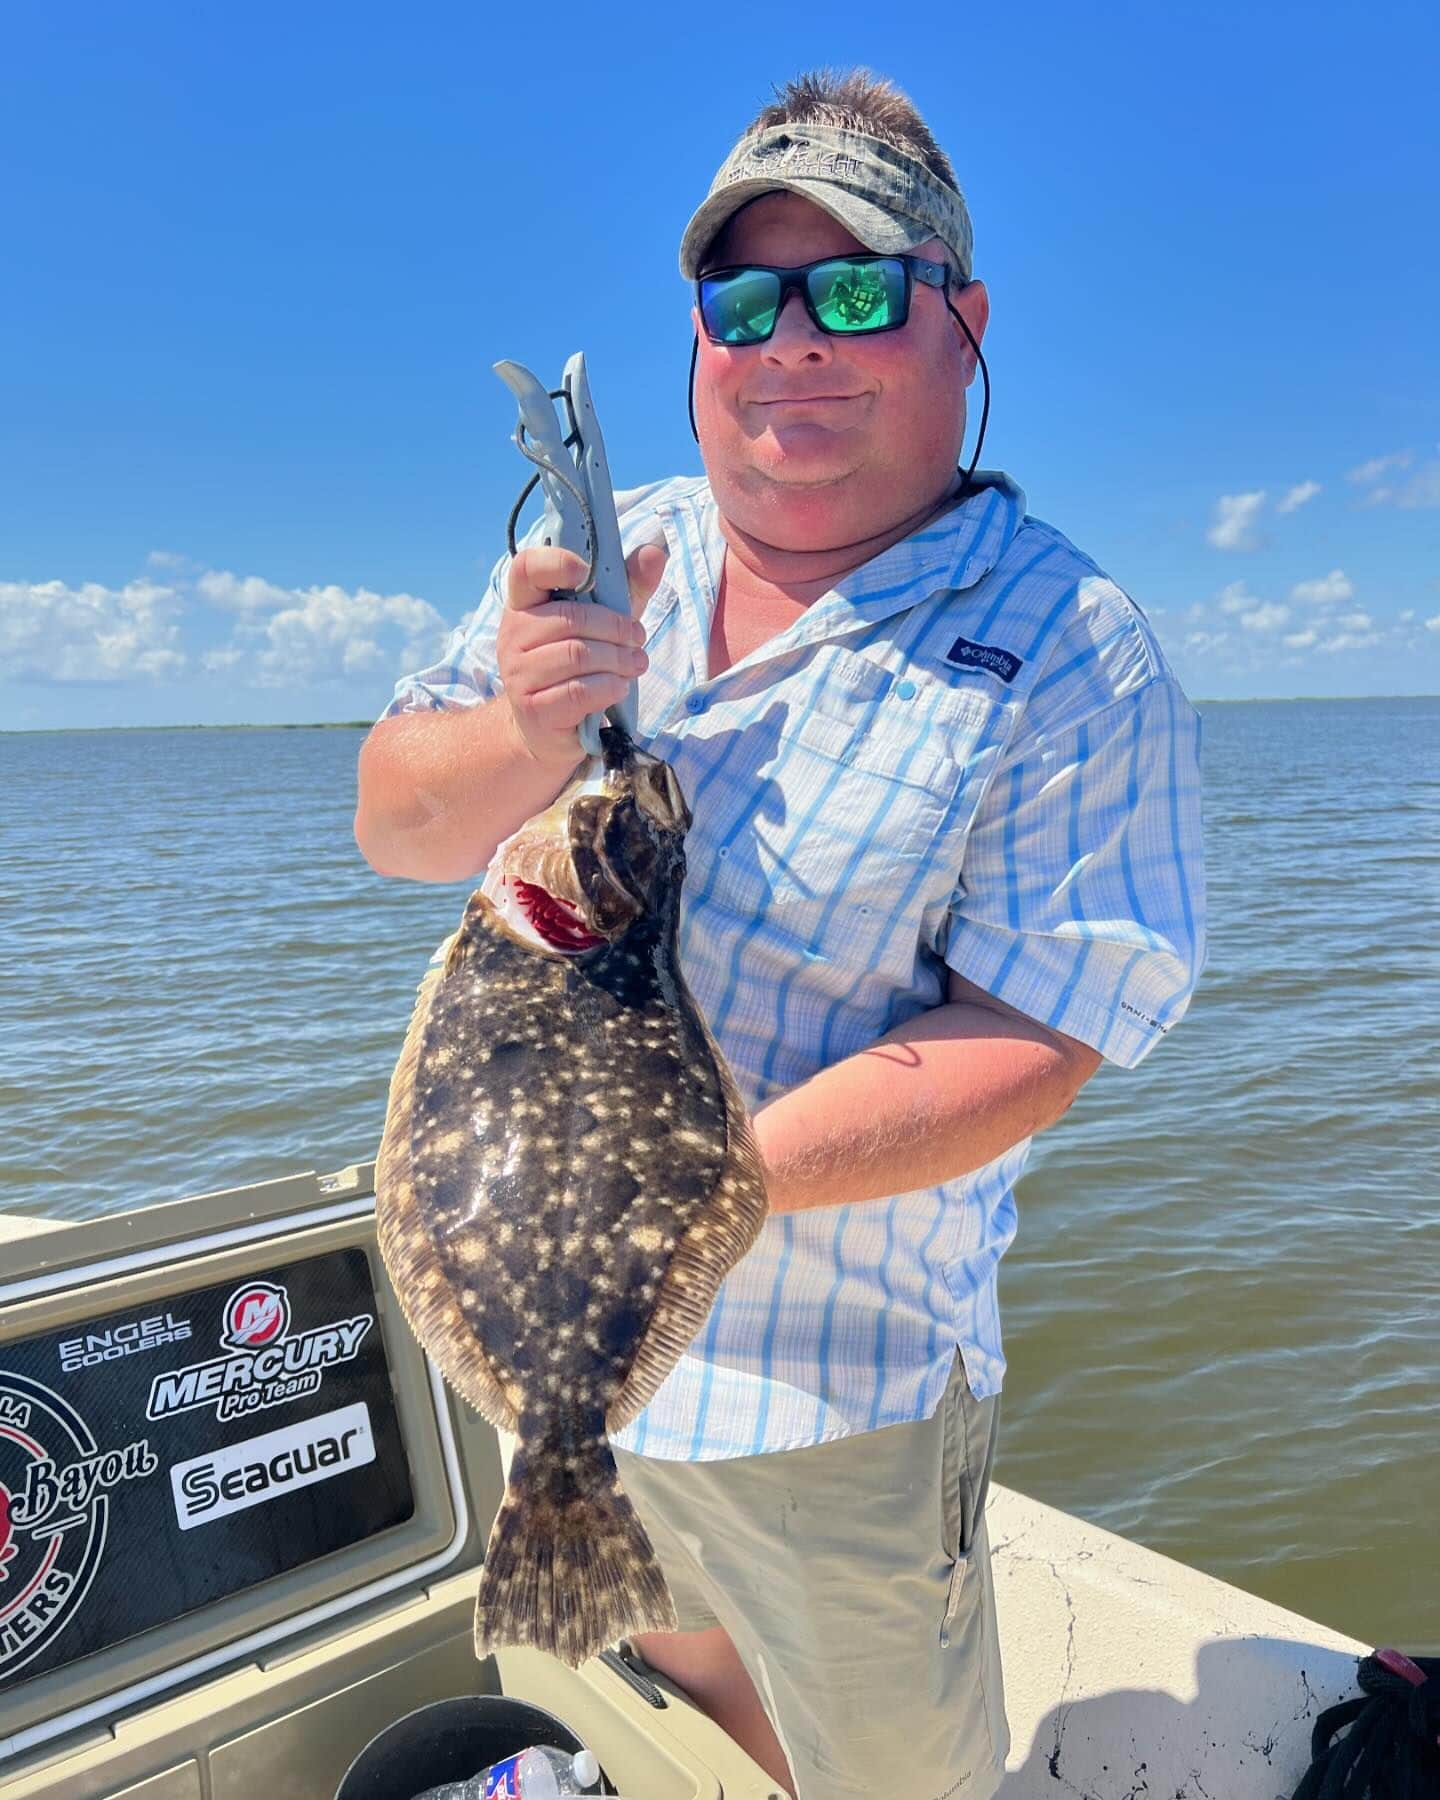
255	1315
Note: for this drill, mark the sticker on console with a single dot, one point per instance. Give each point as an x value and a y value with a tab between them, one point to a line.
272	1465
267	1364
109	1343
55	1480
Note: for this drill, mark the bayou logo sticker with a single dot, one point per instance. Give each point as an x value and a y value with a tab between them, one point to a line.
55	1482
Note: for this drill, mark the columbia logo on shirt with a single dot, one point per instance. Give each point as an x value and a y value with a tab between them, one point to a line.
964	653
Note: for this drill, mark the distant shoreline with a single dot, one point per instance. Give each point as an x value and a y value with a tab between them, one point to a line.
365	724
323	725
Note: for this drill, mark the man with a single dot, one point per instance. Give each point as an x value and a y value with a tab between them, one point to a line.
945	858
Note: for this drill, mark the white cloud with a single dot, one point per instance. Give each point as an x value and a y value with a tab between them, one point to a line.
1234	597
1406	617
1301	640
282	637
1350	640
1297	496
1236	515
1266	617
1376	467
166	559
1433	624
1357	621
1329	590
1421	490
251	595
1206	640
89	633
324	632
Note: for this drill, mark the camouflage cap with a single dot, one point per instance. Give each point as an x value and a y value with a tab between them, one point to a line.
883	196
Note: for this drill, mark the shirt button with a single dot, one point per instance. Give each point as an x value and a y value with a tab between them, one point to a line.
695	703
905	690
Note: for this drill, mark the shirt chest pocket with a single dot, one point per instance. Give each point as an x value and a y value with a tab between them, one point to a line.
847	836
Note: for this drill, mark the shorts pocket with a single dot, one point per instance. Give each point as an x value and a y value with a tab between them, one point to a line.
967	1451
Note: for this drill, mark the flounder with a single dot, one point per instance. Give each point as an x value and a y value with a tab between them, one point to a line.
566	1176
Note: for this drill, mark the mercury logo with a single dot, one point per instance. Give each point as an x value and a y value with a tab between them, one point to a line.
266	1366
55	1487
255	1315
265	1468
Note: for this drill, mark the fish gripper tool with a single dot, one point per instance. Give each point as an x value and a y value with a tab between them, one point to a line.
579	502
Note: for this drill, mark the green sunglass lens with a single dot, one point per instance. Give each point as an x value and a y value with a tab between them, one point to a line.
740	308
858	296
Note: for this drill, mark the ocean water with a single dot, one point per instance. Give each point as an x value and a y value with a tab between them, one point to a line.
1222	1311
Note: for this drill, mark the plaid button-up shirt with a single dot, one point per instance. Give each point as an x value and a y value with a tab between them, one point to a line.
970	754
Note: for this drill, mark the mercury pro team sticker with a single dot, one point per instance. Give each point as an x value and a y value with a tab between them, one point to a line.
268	1364
54	1513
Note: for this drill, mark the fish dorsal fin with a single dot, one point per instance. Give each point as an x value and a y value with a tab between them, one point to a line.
724	1230
424	1290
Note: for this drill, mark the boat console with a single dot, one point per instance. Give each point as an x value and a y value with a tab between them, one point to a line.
241	1518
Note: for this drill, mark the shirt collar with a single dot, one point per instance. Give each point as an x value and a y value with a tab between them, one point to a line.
949	554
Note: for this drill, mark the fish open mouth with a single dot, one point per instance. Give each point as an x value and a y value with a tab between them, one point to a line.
555	921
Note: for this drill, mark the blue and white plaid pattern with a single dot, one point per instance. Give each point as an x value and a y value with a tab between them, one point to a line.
970	753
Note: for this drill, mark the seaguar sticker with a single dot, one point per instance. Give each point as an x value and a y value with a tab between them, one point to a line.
268	1364
55	1482
271	1466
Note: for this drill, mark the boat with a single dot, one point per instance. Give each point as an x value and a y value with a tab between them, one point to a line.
190	1615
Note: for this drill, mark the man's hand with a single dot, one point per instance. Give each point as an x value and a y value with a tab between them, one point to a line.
562	659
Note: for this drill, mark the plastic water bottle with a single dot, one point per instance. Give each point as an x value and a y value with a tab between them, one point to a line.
539	1773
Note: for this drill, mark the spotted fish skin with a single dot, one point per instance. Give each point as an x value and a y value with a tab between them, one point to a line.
566	1177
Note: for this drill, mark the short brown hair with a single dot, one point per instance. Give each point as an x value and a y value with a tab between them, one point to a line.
857	101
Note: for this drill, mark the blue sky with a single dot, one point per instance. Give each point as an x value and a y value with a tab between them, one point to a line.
259	260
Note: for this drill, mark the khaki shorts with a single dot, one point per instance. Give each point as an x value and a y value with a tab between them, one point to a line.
854	1578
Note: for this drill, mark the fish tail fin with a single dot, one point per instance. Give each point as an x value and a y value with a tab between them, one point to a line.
569	1568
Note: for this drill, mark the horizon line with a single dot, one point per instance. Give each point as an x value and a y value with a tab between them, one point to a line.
366	724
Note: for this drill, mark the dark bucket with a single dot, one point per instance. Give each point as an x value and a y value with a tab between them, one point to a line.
451	1740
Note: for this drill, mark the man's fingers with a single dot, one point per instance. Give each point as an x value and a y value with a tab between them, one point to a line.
562	707
644	568
535	574
549	665
579	619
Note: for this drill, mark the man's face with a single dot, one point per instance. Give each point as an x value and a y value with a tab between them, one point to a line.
811	442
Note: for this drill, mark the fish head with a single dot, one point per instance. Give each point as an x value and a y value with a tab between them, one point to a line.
607	852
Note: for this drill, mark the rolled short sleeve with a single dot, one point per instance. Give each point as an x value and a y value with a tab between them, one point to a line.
466	673
1081	899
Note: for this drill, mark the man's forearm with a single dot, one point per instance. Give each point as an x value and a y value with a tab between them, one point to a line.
939	1096
439	790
